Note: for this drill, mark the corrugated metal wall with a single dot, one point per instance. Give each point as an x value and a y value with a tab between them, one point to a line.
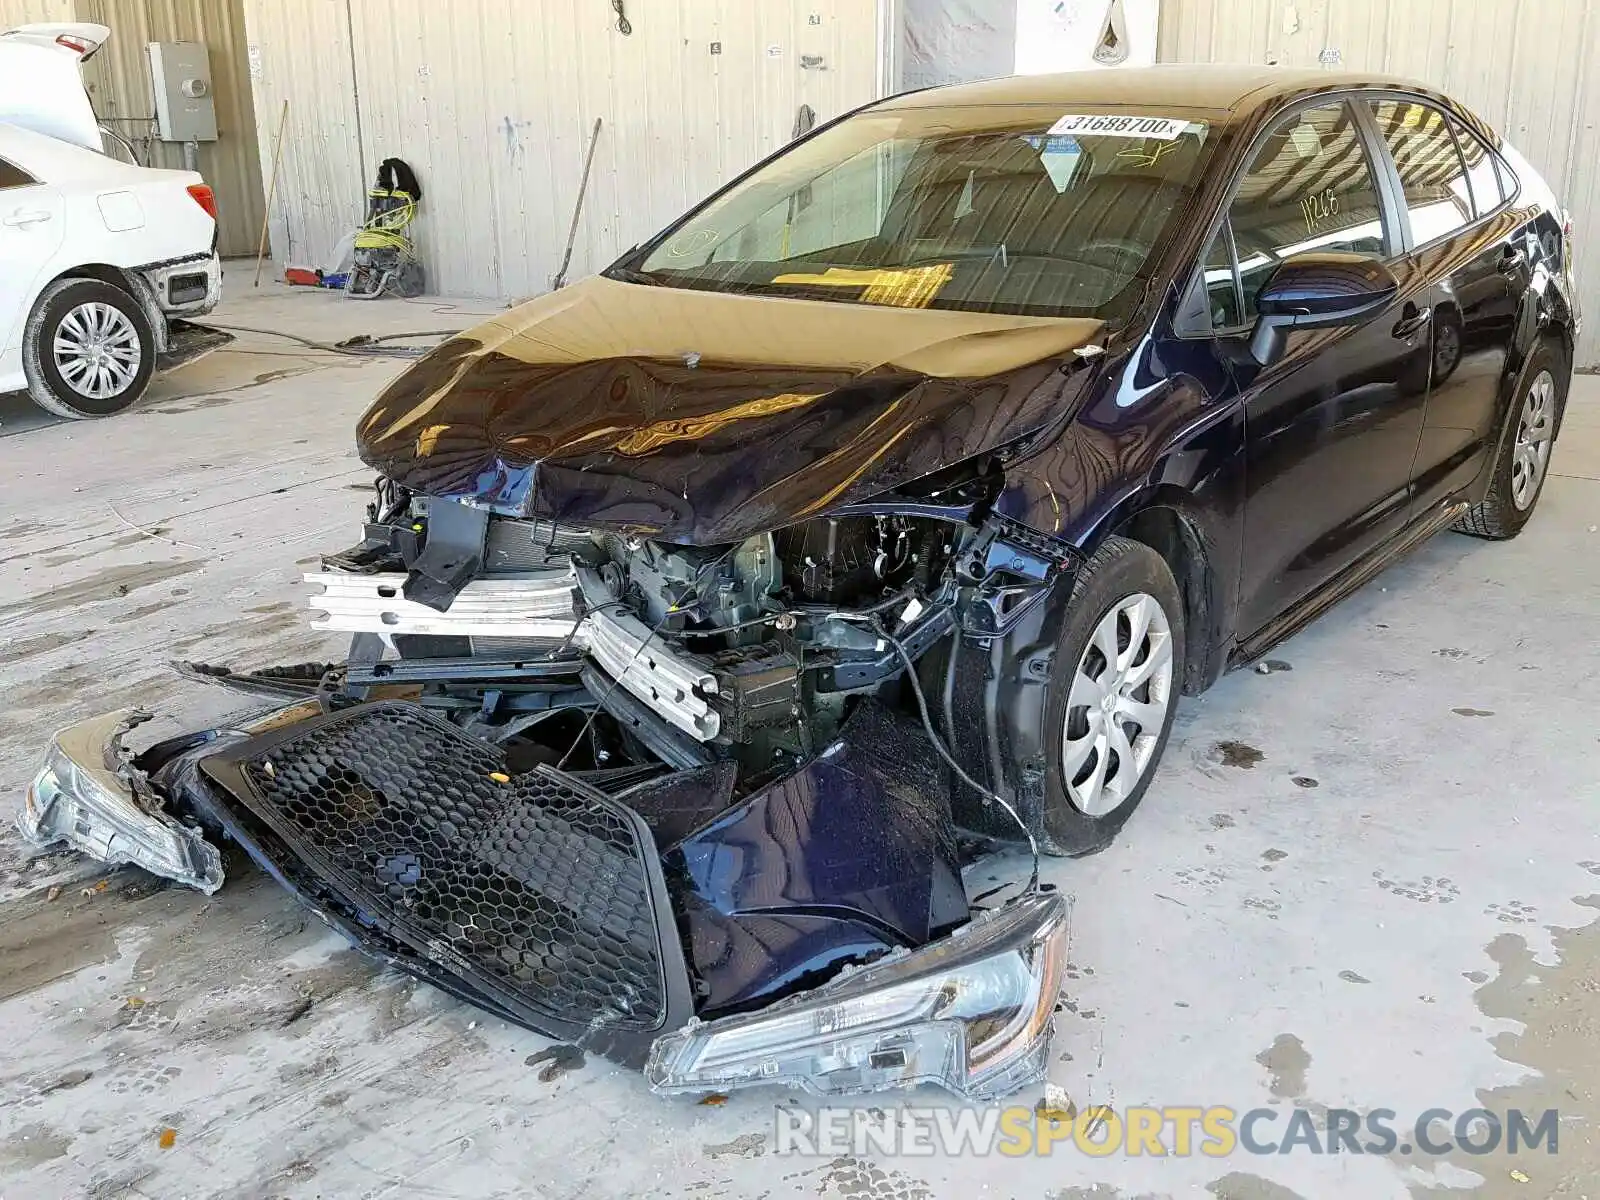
1522	65
29	12
119	83
493	101
118	79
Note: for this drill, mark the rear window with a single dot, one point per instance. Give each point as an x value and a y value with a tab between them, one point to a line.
1432	175
1010	210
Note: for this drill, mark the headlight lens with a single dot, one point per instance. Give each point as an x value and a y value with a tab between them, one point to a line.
971	1013
75	798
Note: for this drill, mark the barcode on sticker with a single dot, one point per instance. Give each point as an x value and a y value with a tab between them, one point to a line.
1165	128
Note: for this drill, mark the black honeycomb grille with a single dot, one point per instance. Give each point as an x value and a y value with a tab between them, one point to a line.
536	886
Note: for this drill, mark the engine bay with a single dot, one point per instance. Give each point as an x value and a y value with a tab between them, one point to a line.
602	650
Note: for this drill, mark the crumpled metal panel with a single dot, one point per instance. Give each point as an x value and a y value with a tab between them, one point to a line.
852	854
539	891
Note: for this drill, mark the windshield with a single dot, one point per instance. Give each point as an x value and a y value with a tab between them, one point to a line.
1016	209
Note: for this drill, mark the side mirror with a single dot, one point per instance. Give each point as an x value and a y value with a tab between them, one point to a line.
1316	291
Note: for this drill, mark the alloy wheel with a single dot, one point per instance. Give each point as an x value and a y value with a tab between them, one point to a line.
1536	428
97	350
1118	705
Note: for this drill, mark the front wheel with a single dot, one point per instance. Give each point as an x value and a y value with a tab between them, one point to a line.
1114	686
88	350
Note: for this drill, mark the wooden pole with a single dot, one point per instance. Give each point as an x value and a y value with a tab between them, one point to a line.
577	209
272	190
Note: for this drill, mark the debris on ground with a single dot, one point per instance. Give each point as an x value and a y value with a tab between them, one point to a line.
558	1060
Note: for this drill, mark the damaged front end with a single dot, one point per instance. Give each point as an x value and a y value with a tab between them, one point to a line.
673	804
643	739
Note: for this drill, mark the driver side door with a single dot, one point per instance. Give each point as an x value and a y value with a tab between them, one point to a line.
1331	426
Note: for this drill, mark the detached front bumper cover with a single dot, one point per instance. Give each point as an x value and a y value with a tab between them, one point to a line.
544	901
971	1013
89	795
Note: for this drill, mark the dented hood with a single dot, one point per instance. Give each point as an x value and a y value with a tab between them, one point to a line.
702	417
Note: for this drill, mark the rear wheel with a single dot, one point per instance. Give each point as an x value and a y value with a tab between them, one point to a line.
1118	669
1524	458
88	350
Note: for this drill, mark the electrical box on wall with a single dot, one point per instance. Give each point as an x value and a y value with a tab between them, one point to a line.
180	74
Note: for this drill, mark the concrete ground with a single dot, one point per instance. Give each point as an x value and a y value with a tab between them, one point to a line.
1363	880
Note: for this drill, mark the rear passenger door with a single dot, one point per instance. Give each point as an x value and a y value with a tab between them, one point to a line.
30	233
1459	235
1331	427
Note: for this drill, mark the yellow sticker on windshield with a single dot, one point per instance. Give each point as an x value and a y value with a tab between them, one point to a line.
1105	125
899	287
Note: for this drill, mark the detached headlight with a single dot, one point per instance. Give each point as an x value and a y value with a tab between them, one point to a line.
971	1013
77	798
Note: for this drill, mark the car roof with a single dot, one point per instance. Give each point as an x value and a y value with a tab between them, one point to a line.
1220	91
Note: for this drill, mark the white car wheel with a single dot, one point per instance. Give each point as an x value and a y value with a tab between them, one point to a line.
88	350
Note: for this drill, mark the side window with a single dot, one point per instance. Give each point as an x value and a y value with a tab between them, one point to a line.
1432	177
1508	180
1481	173
12	176
1224	302
1310	187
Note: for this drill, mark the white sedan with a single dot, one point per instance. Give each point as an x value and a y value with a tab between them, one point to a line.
100	262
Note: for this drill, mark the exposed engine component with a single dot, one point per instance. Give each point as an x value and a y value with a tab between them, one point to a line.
840	560
679	585
752	652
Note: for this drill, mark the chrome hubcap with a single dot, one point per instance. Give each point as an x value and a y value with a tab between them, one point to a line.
97	350
1118	705
1536	429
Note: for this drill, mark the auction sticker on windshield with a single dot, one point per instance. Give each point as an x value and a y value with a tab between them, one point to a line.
1111	126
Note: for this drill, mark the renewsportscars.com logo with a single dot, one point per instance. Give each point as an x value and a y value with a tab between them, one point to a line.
1177	1130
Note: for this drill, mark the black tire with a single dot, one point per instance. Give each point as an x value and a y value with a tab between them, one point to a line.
1120	569
1498	516
50	390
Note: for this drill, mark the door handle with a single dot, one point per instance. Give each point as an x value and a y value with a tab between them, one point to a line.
22	218
1512	261
1412	319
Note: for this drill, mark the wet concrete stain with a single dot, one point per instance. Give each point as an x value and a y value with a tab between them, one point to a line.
144	610
225	395
266	625
1222	821
1303	781
856	1179
1237	754
747	1145
1240	1186
1473	712
558	1060
17	529
34	1144
66	688
1558	1044
1274	855
275	607
42	644
1286	1061
42	941
109	584
119	542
